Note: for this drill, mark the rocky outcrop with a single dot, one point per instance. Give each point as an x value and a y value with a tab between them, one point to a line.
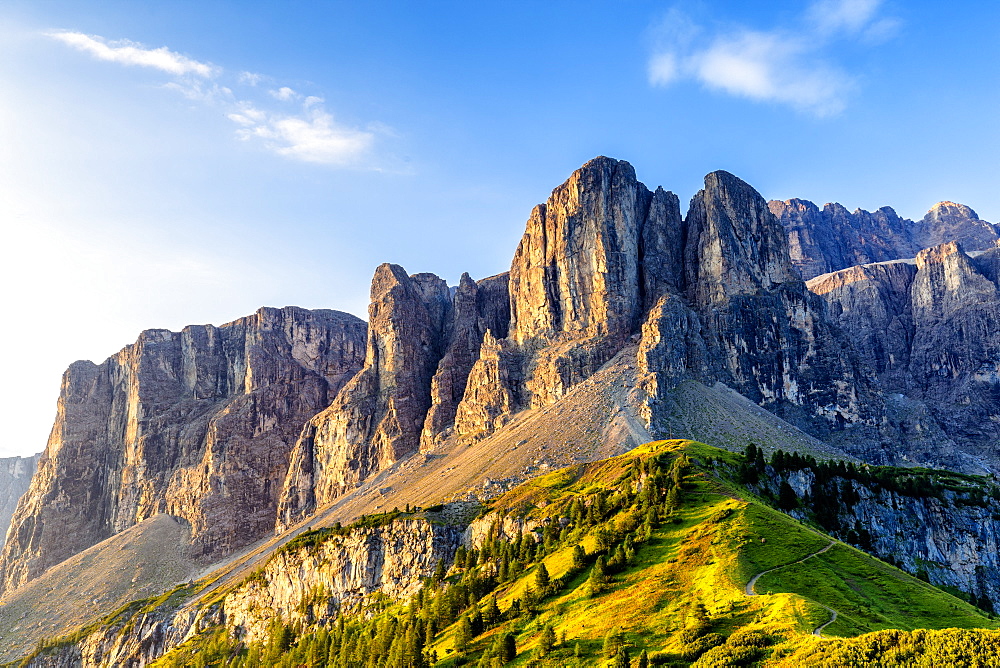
872	302
949	542
198	424
749	322
582	275
603	264
422	343
930	331
832	238
948	221
15	476
313	583
480	309
307	581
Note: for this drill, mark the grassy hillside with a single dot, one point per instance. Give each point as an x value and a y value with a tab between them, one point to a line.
642	559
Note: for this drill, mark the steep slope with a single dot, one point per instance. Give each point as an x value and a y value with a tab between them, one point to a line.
657	551
596	419
832	238
15	477
937	524
144	560
198	424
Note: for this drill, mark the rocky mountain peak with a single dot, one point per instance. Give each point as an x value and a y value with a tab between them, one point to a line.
577	266
948	221
951	212
947	280
734	244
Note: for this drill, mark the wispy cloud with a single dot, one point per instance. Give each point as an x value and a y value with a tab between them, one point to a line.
126	52
284	94
786	64
310	134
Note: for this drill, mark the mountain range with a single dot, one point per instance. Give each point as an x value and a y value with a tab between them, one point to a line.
208	456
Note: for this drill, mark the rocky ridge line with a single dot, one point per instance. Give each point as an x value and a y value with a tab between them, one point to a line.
833	238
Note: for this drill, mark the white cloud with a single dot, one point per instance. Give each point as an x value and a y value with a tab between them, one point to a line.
788	65
133	53
663	69
250	78
767	66
284	94
310	136
850	16
313	136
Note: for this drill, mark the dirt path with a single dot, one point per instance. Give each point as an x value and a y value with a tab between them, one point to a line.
753	580
818	631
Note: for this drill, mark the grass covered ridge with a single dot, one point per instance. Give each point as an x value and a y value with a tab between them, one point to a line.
641	559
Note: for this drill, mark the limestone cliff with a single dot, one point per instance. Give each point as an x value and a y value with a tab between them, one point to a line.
832	238
313	583
608	274
604	264
930	331
198	423
745	319
15	476
422	342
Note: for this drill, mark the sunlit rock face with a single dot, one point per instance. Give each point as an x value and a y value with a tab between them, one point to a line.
423	340
605	264
257	424
199	424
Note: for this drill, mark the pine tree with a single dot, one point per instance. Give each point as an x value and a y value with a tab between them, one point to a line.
598	576
622	659
508	648
542	579
463	635
579	558
612	643
548	640
787	499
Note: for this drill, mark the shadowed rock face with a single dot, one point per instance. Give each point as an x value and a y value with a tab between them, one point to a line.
198	424
422	343
832	238
764	334
930	329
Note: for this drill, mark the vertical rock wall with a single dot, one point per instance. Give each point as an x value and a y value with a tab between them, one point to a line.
198	424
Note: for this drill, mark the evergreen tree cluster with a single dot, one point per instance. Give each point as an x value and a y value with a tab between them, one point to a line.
463	595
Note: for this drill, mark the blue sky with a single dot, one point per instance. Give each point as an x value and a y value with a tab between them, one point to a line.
174	163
